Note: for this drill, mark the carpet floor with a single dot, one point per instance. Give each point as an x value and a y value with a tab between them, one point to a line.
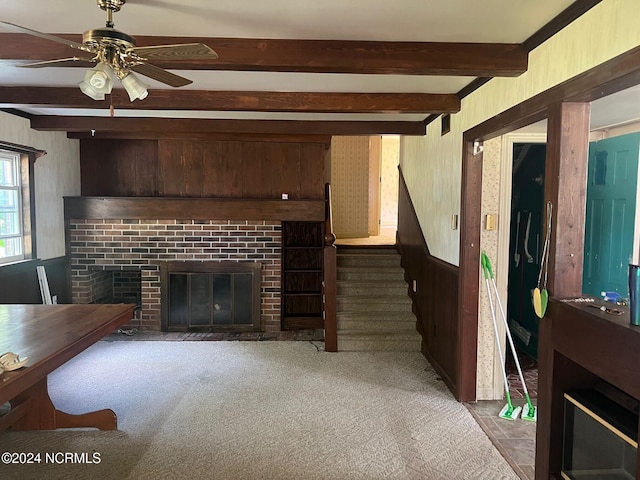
256	410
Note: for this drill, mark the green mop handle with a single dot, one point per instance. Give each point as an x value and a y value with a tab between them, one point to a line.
486	265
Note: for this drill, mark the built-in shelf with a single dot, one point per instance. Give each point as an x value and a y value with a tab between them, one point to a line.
302	250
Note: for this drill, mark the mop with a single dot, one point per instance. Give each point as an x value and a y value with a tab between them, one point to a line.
529	411
509	411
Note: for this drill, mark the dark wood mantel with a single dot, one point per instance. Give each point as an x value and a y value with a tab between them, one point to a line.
171	208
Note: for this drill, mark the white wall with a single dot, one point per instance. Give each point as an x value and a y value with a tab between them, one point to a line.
431	164
57	174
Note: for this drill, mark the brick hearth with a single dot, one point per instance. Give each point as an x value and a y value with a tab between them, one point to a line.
97	246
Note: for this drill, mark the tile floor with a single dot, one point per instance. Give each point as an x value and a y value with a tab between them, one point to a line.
515	440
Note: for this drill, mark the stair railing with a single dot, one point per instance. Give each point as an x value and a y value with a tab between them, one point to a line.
330	278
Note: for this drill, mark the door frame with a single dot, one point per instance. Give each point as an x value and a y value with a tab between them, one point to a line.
609	77
504	237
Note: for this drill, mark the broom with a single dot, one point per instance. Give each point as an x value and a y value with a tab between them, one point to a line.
529	412
509	411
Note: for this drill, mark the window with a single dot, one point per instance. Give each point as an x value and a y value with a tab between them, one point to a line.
17	202
11	218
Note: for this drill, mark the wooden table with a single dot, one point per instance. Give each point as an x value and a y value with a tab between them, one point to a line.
50	335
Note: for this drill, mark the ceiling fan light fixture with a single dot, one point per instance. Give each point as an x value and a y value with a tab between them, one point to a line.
135	87
97	82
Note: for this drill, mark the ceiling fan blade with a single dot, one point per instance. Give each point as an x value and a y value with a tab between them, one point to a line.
179	51
62	62
161	75
18	29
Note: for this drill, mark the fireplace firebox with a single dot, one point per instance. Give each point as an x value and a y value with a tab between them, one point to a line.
211	296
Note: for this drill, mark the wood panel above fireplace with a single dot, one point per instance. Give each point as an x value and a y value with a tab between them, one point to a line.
202	169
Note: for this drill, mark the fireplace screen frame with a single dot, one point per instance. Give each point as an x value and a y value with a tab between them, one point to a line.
211	268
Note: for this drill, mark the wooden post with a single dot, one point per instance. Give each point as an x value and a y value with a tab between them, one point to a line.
565	187
329	280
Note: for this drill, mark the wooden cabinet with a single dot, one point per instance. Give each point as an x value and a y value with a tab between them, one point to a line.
302	247
580	347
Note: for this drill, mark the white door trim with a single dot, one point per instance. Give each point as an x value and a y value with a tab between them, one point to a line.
504	227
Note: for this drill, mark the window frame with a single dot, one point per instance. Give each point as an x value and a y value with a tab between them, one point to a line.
25	159
14	187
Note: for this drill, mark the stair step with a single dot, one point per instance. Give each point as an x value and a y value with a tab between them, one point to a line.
366	322
374	273
371	288
358	342
378	316
366	250
374	310
380	303
363	260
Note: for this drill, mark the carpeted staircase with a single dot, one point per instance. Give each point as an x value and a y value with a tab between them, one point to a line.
374	308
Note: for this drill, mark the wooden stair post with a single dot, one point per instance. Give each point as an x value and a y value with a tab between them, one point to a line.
330	279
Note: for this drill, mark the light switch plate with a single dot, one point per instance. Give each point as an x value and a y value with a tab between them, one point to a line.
491	221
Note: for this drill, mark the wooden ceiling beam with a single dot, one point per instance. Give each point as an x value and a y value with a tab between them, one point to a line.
204	137
320	102
318	56
196	126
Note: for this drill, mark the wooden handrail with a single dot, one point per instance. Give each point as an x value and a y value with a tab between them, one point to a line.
329	236
329	280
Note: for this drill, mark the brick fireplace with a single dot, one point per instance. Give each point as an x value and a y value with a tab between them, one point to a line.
117	252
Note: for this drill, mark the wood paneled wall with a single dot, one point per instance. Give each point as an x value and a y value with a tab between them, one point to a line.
19	281
435	302
194	168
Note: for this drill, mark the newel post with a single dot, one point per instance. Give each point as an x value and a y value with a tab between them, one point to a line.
329	280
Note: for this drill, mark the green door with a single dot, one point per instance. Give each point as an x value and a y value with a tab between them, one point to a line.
611	206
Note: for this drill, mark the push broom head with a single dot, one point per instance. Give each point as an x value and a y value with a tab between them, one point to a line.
510	412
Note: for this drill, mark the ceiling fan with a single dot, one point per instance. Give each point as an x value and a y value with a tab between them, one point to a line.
116	55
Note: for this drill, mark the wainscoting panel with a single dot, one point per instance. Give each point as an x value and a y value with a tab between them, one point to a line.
435	299
19	281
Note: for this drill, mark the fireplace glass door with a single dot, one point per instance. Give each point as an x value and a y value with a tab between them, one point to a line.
214	300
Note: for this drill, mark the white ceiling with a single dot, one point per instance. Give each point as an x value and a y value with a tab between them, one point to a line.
504	21
491	21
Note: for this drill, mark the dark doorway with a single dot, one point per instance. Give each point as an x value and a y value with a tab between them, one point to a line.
526	239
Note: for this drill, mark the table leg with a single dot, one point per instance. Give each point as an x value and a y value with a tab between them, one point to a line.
41	414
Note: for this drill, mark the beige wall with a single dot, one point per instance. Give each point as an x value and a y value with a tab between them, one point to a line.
350	186
57	174
432	164
389	185
487	375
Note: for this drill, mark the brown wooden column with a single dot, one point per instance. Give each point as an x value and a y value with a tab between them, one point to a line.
469	274
566	186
